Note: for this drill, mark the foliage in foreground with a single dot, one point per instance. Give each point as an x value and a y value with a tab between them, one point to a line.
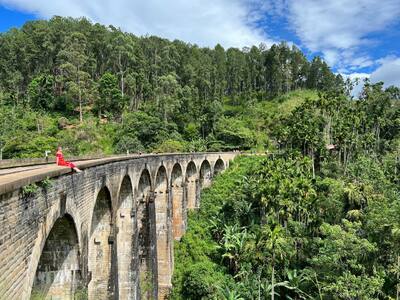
268	226
319	220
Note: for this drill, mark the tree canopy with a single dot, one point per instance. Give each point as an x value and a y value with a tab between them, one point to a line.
74	75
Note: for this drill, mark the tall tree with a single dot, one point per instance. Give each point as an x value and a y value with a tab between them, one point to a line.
121	54
167	101
110	98
73	58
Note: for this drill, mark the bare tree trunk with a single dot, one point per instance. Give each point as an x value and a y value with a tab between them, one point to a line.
397	286
80	106
313	163
79	97
122	84
135	103
273	278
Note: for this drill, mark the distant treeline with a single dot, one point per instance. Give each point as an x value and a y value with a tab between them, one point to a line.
71	63
96	89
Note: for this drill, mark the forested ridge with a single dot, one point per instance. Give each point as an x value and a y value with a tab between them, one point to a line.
96	89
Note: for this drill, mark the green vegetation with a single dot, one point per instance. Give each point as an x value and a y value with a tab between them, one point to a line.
29	190
81	293
317	220
146	285
97	90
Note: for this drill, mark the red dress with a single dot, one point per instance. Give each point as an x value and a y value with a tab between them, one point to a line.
62	162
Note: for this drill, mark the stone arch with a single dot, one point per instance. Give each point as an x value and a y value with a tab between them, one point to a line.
177	201
125	227
44	229
58	274
191	184
163	232
219	166
205	174
143	265
101	248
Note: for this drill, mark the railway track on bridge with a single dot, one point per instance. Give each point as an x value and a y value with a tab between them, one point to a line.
17	173
4	172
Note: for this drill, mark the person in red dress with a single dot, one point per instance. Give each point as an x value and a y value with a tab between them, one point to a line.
61	162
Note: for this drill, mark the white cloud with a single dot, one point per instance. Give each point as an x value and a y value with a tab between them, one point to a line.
359	76
204	22
388	71
340	29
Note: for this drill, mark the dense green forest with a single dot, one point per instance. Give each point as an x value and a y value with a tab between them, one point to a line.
318	219
96	89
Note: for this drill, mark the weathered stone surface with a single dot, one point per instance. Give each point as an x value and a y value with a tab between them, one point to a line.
107	232
58	272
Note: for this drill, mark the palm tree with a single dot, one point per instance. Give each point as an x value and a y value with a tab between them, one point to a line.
233	245
228	294
275	243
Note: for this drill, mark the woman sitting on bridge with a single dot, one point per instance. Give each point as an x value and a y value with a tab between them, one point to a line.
61	162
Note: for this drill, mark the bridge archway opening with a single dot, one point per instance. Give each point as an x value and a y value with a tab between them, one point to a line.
219	166
205	174
58	274
125	240
163	233
191	184
100	248
177	201
144	265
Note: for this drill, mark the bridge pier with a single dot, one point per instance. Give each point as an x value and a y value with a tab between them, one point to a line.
145	266
125	237
192	185
101	285
178	203
163	233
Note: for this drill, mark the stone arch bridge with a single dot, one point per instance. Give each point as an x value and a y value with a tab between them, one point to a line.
106	233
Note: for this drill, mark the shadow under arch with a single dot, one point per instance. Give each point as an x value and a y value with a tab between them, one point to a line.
58	273
191	179
178	205
101	285
205	174
144	264
219	166
125	242
163	233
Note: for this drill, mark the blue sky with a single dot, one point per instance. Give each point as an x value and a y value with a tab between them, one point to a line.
358	38
11	18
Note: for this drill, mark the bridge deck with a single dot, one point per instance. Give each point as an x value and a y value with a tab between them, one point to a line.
19	176
16	177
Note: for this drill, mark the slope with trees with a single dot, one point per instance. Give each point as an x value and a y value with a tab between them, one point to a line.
73	82
316	220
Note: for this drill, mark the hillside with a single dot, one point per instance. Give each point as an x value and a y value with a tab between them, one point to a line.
96	89
269	227
316	220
